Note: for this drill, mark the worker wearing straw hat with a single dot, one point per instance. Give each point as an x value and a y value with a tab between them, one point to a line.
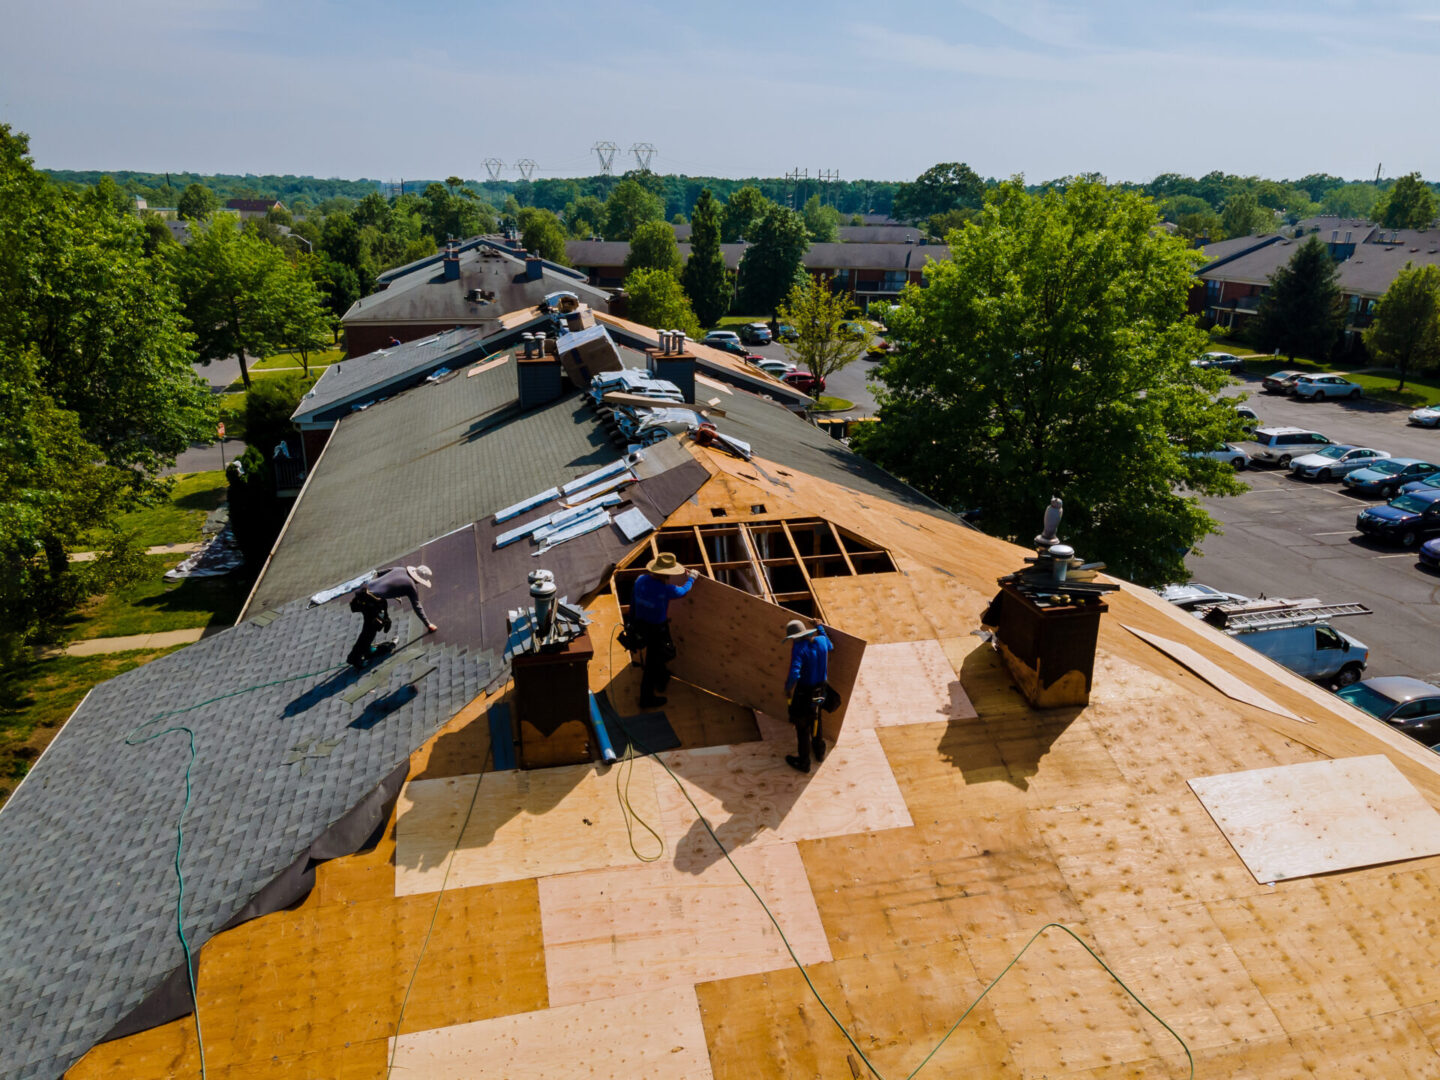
805	686
664	579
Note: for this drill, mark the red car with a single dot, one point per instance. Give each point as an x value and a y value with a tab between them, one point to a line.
803	380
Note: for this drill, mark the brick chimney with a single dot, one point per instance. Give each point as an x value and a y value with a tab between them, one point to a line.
534	268
672	361
451	262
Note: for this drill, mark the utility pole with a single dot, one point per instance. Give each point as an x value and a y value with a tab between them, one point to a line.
795	176
827	176
1377	172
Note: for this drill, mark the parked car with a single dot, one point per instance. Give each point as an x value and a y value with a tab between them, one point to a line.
1314	387
1335	460
1191	596
1411	705
1385	478
1404	520
1246	412
715	337
1429	554
771	366
786	332
1227	452
1281	382
1431	481
1429	416
1223	360
755	333
854	330
734	348
1279	445
1315	650
803	380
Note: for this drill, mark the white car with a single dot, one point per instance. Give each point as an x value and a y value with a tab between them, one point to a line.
1192	596
1314	387
1334	461
1228	452
1429	416
714	337
1223	360
778	368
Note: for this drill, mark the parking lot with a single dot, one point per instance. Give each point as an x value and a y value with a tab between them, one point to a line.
1297	538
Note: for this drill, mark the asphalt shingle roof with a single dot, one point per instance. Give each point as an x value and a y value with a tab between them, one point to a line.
87	842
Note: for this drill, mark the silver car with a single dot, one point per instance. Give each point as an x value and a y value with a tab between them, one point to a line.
1429	416
1334	461
1314	387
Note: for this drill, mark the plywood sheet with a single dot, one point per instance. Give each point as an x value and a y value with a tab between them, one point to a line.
653	926
733	644
876	607
1214	674
658	1035
908	682
750	796
1320	816
525	824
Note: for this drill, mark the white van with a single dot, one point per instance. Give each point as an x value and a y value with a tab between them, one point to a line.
1317	650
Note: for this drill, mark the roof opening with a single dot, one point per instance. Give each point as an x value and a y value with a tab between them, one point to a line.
757	508
718	511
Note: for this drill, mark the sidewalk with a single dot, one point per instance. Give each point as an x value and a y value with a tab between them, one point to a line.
162	640
158	549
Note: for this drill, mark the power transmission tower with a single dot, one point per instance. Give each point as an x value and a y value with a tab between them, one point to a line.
795	176
643	152
526	167
493	165
605	151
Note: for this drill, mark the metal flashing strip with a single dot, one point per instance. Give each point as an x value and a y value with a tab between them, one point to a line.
580	497
633	524
587	524
527	504
594	477
552	522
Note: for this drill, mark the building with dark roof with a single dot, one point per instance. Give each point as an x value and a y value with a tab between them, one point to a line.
253	208
422	869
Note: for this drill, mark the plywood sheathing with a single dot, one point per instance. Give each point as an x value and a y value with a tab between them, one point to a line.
909	682
657	925
1323	816
1214	674
656	1035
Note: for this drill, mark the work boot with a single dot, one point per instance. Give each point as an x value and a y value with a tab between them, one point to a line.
817	747
795	763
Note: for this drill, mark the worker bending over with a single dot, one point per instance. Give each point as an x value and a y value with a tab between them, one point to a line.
806	687
370	601
650	622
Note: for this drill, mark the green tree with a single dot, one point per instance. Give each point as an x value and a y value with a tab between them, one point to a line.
629	206
56	492
100	316
939	225
542	233
1409	204
822	221
242	296
742	212
656	299
950	185
585	217
1050	354
707	282
653	248
1350	201
818	315
1406	330
1300	312
768	267
306	324
1244	216
197	202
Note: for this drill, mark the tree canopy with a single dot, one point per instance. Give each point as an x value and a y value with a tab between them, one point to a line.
951	185
653	248
542	233
629	206
1050	355
818	315
1243	215
822	221
196	203
1409	204
656	299
740	215
1406	331
1300	312
767	270
707	282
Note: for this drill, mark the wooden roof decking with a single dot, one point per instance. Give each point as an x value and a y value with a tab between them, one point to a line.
1016	818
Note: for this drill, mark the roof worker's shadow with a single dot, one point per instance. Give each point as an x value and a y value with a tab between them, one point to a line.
335	684
1010	737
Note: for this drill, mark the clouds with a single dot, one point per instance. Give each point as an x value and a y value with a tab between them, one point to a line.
1042	87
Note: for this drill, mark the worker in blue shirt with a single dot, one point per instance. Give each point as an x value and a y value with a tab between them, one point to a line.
650	621
805	686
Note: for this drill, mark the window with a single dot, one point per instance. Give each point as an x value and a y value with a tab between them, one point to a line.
1326	638
775	560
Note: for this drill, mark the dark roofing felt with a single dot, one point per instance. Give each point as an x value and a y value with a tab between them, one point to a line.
388	370
87	842
424	295
419	464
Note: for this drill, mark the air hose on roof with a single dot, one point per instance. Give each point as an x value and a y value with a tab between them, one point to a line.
806	975
134	738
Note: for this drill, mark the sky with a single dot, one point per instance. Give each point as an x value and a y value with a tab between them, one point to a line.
877	90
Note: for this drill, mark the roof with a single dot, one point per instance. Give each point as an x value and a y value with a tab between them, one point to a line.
1252	267
420	464
386	276
87	842
424	295
386	371
1325	225
1224	250
1373	267
252	204
842	256
851	234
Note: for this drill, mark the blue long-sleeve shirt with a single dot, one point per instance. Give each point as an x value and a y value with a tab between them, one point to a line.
651	602
809	660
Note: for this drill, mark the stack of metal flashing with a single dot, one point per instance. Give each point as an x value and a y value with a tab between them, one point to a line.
1056	575
585	507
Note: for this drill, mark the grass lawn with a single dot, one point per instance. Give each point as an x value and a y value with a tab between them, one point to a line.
833	404
318	359
154	604
178	518
731	321
39	697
